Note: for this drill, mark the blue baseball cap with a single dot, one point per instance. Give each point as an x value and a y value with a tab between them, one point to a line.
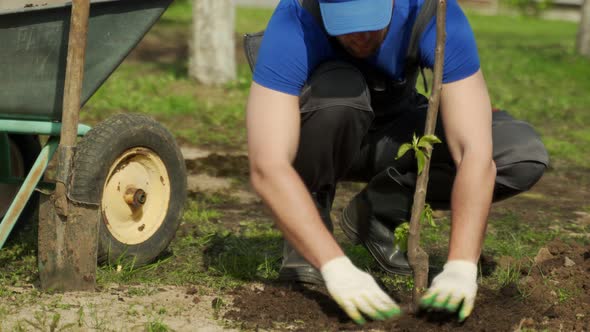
348	16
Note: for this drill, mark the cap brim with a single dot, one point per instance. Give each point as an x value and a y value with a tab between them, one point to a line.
355	16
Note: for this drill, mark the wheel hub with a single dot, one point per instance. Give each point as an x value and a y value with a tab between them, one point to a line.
136	196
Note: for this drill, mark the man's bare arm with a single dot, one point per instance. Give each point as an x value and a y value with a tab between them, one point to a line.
273	122
467	118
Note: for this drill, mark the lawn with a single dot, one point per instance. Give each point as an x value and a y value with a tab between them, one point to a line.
227	242
530	66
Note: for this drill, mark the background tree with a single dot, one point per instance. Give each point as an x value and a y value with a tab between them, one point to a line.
583	41
212	60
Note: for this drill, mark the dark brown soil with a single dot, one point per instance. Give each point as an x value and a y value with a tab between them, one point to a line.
558	289
220	166
550	296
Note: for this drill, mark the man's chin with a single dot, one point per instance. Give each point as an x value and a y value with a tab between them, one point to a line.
361	54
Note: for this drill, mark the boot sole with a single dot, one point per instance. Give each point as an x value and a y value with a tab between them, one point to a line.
298	276
355	238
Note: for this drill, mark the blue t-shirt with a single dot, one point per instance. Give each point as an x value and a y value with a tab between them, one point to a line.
294	43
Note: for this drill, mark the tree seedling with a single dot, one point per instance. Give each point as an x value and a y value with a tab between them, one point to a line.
422	147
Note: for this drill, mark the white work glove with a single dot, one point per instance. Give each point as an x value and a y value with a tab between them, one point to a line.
456	285
355	290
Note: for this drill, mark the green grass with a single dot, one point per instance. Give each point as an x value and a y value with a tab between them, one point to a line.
531	70
510	237
156	325
18	259
248	19
530	67
207	254
205	116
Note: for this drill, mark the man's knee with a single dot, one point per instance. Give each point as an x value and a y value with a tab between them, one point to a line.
520	176
520	155
335	84
516	141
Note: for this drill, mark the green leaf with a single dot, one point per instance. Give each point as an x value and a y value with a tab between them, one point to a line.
414	140
403	149
421	158
401	235
427	215
424	145
432	139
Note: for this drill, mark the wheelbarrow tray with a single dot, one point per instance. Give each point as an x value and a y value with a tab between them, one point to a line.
34	46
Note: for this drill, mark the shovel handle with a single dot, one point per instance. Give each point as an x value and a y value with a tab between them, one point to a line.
71	100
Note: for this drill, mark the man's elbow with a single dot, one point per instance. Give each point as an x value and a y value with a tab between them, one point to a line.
479	159
492	169
264	171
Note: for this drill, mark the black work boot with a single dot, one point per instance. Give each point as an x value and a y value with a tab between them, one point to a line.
372	216
295	268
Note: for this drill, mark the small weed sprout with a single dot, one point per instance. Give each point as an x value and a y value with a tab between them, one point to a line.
402	231
157	326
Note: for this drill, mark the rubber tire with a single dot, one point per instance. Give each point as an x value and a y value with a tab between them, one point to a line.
29	148
96	153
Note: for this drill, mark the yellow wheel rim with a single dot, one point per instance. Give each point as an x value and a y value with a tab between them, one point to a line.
135	196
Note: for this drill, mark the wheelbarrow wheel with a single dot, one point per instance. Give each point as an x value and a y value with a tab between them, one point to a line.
131	166
24	150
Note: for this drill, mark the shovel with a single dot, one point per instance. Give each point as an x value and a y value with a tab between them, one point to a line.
68	231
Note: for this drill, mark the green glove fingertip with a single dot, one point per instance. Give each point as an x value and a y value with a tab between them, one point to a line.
392	312
452	307
379	316
464	313
360	321
427	300
462	317
439	305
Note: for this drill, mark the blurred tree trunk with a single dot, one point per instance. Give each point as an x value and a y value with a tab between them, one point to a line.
212	60
583	42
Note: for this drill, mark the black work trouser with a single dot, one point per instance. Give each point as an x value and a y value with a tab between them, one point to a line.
352	131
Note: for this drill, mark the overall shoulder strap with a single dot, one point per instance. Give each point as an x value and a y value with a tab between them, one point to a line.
412	63
313	7
425	15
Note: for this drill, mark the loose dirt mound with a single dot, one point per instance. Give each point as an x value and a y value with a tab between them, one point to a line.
553	294
558	288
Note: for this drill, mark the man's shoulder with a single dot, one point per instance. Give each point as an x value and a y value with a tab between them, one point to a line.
293	44
290	17
292	26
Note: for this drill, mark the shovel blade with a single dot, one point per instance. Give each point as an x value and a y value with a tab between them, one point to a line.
67	247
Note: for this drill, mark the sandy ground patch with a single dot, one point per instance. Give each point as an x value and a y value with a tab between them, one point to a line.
114	308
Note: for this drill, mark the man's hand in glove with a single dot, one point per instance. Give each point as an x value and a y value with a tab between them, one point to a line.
454	289
356	291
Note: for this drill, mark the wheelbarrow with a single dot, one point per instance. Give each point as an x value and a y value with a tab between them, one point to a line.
118	189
